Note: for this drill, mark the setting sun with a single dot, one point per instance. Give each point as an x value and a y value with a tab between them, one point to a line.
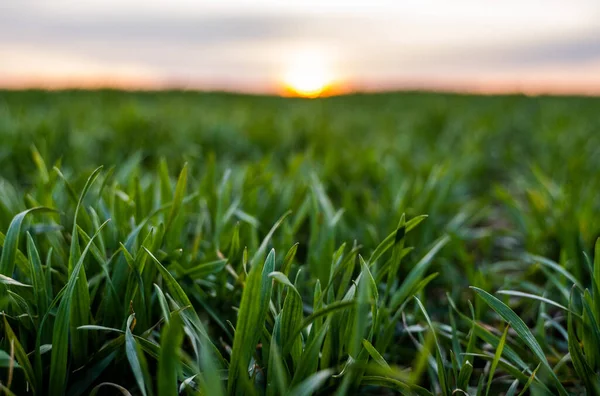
308	75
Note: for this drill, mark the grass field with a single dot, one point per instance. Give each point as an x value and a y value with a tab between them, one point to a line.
412	243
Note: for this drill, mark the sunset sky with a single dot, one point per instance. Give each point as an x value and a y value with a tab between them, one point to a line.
523	45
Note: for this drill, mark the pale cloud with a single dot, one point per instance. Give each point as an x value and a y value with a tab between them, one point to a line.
229	43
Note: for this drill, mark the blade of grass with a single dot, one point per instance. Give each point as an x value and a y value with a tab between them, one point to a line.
21	355
11	240
522	331
168	361
441	370
131	350
38	281
375	354
497	357
60	336
80	305
416	273
178	198
311	384
533	297
590	379
251	317
529	381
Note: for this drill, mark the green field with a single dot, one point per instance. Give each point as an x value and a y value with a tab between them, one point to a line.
365	244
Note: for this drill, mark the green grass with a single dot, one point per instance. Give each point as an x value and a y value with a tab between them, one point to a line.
164	243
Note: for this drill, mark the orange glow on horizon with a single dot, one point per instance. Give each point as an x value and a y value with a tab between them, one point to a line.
334	89
100	81
550	83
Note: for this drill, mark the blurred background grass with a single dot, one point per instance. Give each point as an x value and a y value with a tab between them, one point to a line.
524	170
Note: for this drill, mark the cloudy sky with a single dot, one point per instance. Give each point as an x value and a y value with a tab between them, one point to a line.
244	45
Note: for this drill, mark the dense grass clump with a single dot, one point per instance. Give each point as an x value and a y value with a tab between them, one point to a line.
165	243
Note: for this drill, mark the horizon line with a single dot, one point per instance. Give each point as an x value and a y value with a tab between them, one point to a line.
550	88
